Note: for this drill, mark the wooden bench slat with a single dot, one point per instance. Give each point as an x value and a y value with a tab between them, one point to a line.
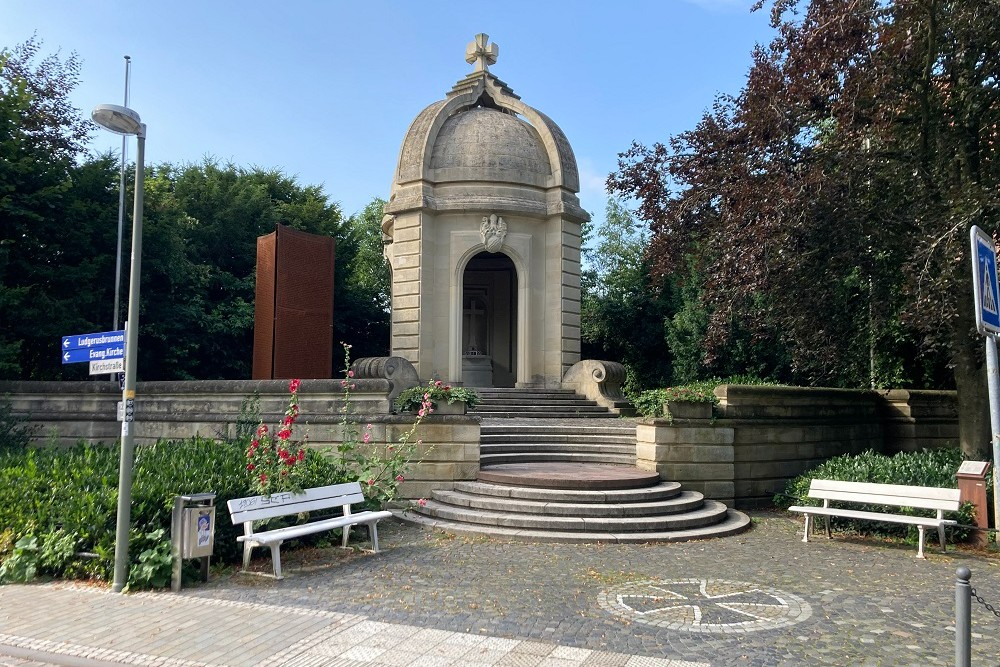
291	532
885	499
872	516
928	492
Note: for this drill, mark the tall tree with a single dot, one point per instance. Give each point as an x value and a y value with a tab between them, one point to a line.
54	277
831	199
368	284
617	295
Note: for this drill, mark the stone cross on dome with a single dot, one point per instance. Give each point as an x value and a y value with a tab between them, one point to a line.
481	52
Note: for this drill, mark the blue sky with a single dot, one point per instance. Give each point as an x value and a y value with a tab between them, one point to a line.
326	90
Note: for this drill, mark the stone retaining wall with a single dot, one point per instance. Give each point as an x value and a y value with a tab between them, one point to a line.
760	437
68	412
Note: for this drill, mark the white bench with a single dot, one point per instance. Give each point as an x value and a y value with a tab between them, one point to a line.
256	508
941	500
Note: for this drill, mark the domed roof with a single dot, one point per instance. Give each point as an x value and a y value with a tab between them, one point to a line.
483	148
485	144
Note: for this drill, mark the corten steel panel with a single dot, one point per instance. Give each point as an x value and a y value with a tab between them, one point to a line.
302	312
263	316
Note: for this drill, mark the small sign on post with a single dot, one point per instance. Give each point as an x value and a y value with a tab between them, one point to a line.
984	282
987	309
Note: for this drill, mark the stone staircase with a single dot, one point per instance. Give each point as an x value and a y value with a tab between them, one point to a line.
536	440
555	467
500	403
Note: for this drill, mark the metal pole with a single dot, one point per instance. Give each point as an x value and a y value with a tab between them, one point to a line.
993	383
963	618
128	394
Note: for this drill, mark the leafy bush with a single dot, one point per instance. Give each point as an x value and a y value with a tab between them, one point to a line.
65	502
930	467
413	398
650	403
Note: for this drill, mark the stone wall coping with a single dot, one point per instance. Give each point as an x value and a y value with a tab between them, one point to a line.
310	387
737	392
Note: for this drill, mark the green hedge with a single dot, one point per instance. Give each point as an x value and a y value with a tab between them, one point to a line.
66	499
931	467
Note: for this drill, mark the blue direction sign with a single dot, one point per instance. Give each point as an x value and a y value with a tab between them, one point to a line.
984	282
93	347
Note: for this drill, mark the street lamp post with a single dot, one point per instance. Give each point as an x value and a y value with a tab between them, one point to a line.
122	120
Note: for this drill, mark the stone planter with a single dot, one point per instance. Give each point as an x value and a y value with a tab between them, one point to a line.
446	408
688	409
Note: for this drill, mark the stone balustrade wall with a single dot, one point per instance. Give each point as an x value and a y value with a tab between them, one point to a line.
760	437
67	412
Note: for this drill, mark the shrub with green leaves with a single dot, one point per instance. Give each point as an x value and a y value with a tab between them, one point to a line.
60	505
930	467
650	403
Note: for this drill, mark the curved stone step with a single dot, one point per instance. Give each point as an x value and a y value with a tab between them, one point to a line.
733	523
686	501
659	491
709	513
569	475
487	459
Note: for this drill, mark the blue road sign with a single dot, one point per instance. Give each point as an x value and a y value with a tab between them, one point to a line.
81	354
92	347
984	282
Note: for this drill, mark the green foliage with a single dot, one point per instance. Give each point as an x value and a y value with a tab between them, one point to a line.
930	467
366	310
274	461
66	500
649	403
154	566
22	565
379	470
436	391
618	294
15	430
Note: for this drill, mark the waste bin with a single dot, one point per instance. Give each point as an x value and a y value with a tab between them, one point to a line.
192	533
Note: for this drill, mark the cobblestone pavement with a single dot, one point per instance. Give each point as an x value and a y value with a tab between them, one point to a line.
760	598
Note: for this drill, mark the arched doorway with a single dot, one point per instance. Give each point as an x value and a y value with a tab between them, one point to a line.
489	321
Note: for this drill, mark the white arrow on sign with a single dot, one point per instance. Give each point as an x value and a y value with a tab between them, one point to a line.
66	344
66	356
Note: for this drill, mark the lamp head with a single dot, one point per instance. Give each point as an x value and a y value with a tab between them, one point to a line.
118	119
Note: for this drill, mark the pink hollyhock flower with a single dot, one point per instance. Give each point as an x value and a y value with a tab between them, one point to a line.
302	455
250	466
371	482
399	478
420	412
350	374
366	438
438	383
287	421
263	478
262	429
422	502
284	434
293	386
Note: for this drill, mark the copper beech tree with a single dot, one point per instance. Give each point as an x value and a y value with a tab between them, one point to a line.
829	202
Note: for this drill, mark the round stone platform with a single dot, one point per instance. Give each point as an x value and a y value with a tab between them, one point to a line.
565	475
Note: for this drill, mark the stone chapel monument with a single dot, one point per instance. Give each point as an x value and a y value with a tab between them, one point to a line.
482	234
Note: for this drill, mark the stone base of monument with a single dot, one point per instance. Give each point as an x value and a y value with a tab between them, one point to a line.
477	370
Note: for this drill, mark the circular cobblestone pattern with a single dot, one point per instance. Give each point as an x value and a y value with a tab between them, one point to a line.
705	605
